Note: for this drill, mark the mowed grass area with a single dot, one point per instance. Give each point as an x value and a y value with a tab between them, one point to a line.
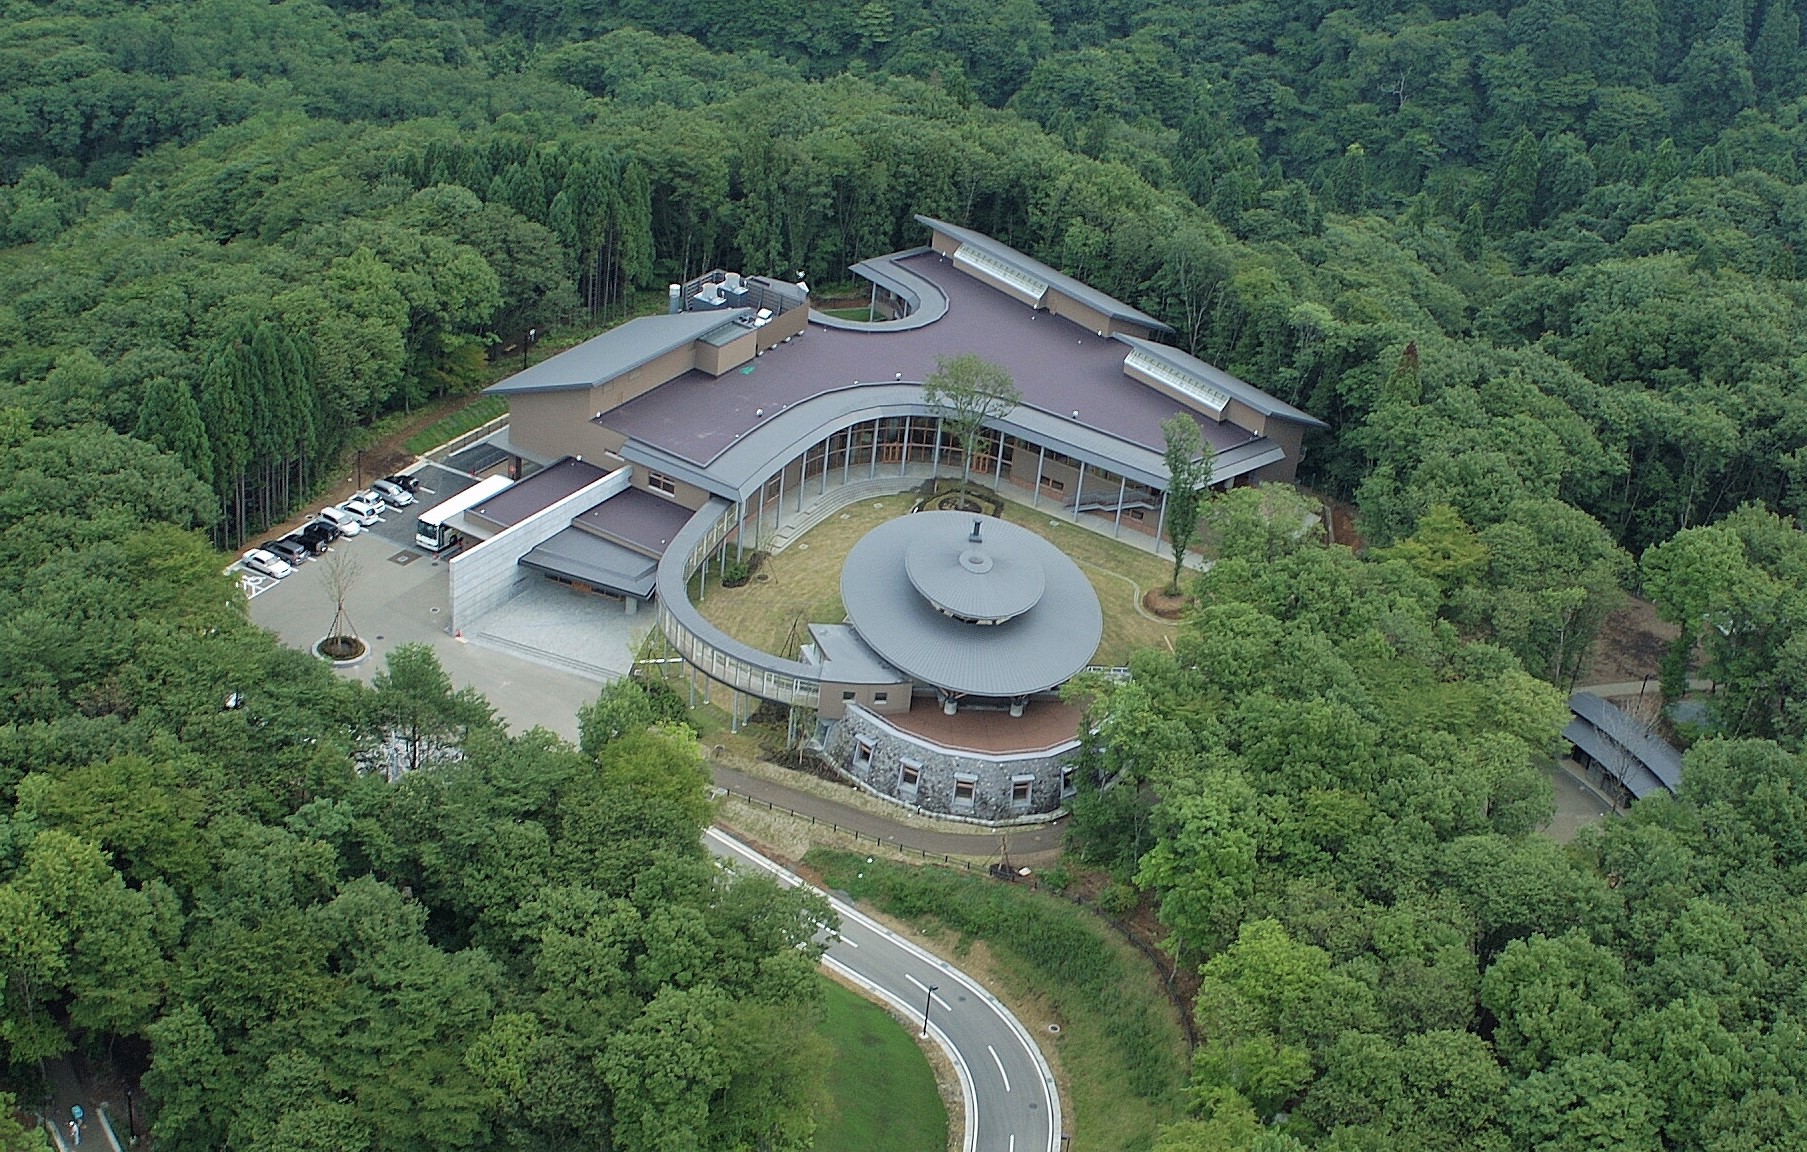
802	584
882	1090
1120	1047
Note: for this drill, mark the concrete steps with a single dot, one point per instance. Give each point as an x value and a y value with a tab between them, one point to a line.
552	659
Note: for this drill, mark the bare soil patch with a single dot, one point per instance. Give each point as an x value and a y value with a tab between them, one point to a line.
1167	607
1630	645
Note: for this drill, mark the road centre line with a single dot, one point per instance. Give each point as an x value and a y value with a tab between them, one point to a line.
921	987
999	1061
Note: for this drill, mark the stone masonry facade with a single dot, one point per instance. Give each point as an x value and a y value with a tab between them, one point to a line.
946	781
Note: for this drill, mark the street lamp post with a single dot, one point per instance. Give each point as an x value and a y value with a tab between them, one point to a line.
526	343
360	469
928	999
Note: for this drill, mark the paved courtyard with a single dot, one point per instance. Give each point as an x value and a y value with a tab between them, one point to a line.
401	595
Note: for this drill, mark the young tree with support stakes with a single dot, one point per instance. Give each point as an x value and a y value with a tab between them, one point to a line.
966	391
1189	462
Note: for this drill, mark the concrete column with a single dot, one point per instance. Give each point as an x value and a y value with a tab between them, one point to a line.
1122	487
998	480
1079	492
872	468
778	515
1017	704
904	464
1035	493
632	604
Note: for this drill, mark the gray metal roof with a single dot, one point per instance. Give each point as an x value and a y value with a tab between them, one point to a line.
1042	648
1623	746
985	576
589	559
1210	373
847	660
1078	290
928	303
617	351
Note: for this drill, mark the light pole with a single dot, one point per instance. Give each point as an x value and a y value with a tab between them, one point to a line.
928	999
526	343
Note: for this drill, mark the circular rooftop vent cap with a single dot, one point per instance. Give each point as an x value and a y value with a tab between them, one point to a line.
979	581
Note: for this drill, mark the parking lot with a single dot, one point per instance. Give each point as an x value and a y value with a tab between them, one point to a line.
400	594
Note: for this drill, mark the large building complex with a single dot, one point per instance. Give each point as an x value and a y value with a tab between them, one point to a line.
706	428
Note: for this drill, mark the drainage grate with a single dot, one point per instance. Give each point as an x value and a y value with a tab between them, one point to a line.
404	558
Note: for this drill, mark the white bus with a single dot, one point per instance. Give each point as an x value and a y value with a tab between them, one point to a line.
430	531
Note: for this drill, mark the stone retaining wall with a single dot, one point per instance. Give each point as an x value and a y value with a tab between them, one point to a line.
876	754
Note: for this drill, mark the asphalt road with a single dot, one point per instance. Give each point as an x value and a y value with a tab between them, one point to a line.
1011	1102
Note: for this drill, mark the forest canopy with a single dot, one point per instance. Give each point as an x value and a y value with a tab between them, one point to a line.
1536	265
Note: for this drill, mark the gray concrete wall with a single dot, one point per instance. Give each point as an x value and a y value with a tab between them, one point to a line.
940	769
486	576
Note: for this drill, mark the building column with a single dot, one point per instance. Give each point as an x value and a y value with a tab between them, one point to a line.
998	480
1122	487
827	450
778	515
904	456
1041	461
1079	492
872	468
740	529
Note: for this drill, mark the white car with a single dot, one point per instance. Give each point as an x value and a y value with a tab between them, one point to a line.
268	563
393	494
345	522
364	509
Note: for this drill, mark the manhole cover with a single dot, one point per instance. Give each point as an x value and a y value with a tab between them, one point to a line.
1054	1029
404	558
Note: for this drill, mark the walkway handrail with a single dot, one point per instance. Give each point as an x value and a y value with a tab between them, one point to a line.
706	647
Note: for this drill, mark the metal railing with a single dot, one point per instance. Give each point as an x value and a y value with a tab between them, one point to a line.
704	646
817	822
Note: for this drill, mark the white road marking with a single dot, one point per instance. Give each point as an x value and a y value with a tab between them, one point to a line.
921	987
998	1060
1013	1142
849	943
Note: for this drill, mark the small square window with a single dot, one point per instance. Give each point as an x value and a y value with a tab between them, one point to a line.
880	697
862	752
909	776
1020	789
965	787
1069	780
1054	484
660	482
1137	514
846	693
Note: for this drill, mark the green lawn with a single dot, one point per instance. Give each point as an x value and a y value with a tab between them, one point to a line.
1120	1043
802	584
882	1090
863	312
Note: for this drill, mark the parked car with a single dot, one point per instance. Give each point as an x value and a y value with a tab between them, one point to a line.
289	548
317	536
268	563
393	494
368	513
345	522
333	530
401	480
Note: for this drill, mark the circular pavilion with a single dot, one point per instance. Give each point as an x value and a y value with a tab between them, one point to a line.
971	606
990	619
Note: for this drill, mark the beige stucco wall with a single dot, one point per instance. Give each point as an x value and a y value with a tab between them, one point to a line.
727	357
688	495
555	424
833	703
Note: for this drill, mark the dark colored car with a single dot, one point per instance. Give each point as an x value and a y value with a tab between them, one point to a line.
289	548
332	528
411	483
317	536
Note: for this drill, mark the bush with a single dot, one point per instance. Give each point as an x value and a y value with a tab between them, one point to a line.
1118	899
737	573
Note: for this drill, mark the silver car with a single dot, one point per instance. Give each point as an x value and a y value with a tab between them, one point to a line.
268	563
345	522
367	511
393	494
